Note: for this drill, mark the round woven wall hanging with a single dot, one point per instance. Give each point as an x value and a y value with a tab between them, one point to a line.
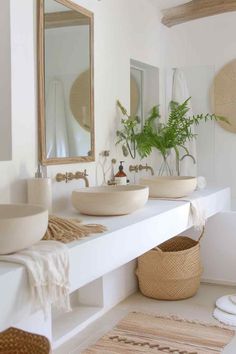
225	95
80	100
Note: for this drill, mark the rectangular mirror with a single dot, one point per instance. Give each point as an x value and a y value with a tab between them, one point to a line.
65	78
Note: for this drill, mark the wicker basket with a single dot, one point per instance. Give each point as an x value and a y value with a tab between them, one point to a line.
171	271
16	341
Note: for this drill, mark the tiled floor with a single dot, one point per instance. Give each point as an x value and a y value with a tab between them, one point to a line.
199	307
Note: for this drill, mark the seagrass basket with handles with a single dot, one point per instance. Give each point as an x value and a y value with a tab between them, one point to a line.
16	341
171	271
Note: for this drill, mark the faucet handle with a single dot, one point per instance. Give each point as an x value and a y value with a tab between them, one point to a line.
78	175
133	168
60	177
69	176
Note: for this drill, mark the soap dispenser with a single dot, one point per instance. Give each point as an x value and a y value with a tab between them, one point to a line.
120	177
40	190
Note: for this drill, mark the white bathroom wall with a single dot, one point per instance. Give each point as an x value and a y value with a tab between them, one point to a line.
5	83
123	30
218	249
23	103
202	76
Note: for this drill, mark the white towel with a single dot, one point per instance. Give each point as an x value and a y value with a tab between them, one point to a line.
180	93
233	299
224	317
197	215
47	264
225	304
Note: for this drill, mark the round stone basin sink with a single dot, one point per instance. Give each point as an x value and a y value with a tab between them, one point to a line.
110	200
169	187
21	225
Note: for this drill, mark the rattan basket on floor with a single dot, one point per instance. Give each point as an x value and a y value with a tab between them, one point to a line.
16	341
171	271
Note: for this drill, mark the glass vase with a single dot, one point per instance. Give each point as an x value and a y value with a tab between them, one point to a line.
165	168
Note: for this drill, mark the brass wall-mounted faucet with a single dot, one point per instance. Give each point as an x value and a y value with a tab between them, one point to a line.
69	176
137	168
146	168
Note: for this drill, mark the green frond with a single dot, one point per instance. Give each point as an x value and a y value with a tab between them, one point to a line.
163	137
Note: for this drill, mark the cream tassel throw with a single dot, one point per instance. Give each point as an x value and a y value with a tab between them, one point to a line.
68	230
47	264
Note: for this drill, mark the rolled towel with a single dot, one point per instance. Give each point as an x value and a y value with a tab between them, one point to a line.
47	265
201	182
225	304
224	317
233	298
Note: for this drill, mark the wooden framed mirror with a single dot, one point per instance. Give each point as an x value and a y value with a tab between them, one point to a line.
65	83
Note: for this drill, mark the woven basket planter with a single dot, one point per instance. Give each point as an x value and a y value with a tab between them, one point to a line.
171	271
16	341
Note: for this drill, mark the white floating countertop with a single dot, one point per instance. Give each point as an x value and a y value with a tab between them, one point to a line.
127	238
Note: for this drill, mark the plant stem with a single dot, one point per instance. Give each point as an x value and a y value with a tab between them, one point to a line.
133	155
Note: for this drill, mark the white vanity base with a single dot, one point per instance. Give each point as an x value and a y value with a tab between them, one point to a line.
92	301
102	266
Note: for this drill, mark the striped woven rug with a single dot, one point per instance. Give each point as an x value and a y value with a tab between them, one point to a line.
143	333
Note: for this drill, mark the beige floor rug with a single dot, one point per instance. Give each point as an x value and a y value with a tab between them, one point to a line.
143	333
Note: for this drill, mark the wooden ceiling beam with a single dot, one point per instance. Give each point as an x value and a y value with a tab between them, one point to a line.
64	19
196	9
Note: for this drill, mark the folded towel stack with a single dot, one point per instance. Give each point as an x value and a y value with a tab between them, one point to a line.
225	310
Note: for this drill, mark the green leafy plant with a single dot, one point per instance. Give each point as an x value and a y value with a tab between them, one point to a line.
163	136
127	135
174	133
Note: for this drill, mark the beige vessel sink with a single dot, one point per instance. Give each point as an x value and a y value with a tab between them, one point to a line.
110	200
169	187
21	225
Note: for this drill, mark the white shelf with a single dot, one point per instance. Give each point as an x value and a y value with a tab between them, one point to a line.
67	325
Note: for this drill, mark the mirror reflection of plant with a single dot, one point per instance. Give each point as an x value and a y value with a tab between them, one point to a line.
174	134
127	134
